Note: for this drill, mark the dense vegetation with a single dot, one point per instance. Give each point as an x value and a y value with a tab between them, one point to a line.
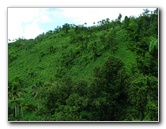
106	72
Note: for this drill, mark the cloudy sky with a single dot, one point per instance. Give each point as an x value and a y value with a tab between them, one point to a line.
30	22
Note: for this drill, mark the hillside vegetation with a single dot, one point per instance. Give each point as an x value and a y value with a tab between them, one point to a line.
106	72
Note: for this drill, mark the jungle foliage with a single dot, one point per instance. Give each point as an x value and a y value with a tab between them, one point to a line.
105	72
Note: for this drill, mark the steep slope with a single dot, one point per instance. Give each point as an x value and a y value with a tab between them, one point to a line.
76	72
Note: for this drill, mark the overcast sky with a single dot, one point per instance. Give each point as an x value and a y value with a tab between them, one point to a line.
30	22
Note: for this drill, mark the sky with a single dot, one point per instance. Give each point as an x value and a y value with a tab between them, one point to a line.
30	22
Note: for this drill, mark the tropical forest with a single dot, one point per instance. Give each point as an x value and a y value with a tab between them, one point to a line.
104	72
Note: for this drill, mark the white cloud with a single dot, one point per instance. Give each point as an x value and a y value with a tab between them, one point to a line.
31	31
19	19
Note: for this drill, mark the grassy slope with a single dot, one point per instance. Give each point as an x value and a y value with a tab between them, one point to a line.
33	67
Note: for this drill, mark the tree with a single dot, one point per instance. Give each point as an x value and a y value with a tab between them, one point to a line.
143	93
109	90
119	17
66	27
16	92
146	12
156	11
36	92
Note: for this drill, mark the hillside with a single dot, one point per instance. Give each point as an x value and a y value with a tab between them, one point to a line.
106	72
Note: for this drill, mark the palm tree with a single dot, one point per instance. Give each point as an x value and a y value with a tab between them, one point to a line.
36	92
153	45
15	94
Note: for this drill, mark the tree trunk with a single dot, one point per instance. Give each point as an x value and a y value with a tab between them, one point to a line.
15	111
22	112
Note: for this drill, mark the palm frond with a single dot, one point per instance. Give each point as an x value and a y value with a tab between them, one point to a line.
153	45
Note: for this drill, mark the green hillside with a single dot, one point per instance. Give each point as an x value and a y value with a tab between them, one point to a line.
106	72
